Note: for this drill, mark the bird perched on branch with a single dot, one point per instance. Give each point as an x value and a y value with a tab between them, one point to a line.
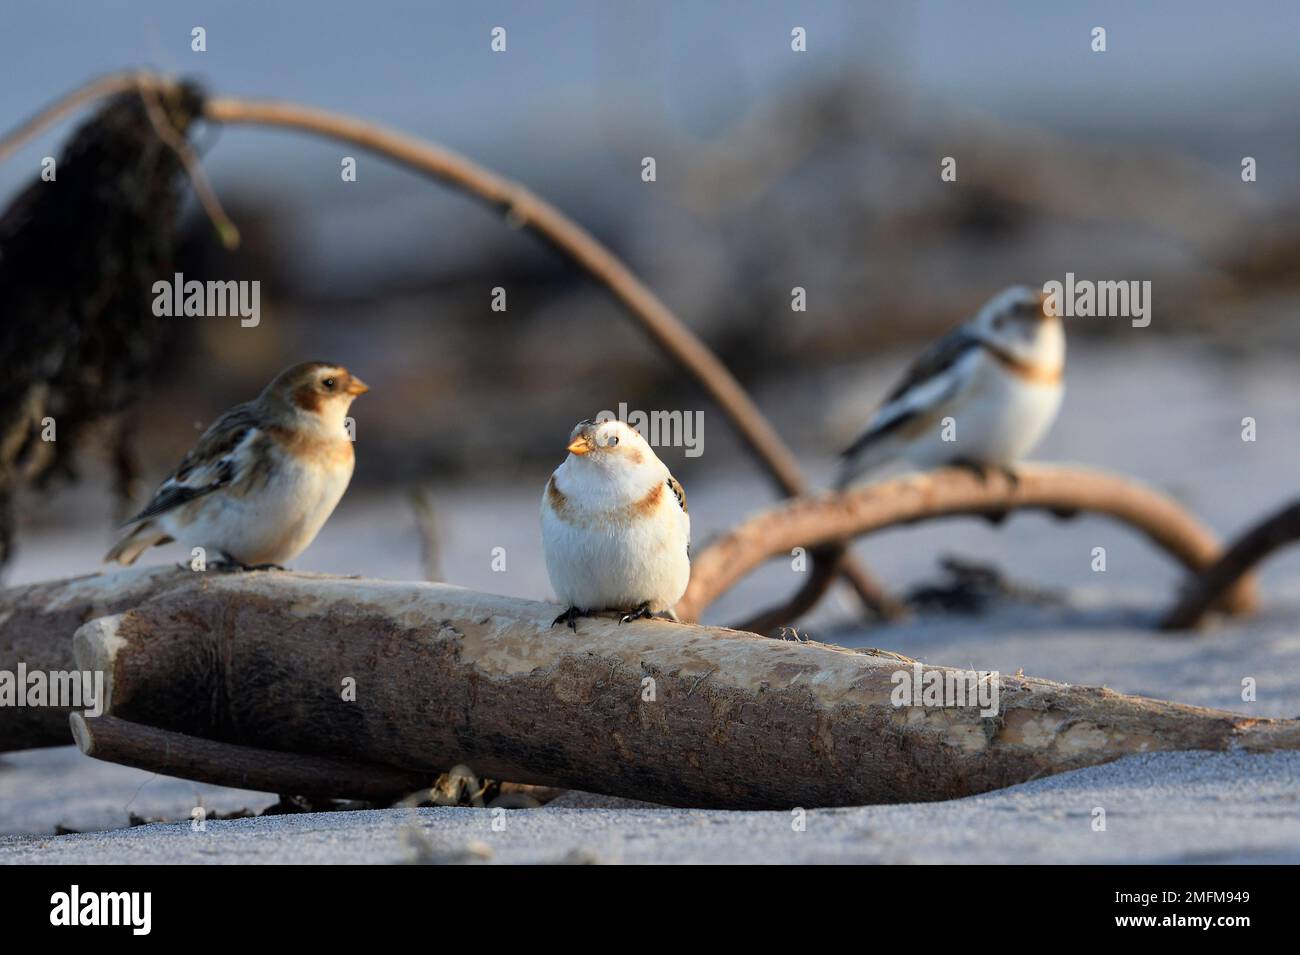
614	526
263	478
980	397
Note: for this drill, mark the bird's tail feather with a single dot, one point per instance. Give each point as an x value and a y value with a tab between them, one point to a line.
874	448
130	547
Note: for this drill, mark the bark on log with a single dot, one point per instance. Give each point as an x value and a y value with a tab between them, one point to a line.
1206	590
37	622
827	518
446	676
224	764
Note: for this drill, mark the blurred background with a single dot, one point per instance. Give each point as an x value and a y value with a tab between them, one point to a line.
775	169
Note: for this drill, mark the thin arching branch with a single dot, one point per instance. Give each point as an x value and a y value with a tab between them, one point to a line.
829	518
68	104
1207	589
825	563
150	86
526	210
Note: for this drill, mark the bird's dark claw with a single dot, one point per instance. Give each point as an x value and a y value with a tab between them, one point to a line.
639	613
980	471
569	617
228	564
985	471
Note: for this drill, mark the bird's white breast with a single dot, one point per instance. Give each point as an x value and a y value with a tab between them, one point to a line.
614	549
276	520
996	419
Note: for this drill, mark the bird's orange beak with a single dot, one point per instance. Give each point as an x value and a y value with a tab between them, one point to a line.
580	445
356	386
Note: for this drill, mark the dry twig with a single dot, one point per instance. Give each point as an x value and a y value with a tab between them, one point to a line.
426	525
109	85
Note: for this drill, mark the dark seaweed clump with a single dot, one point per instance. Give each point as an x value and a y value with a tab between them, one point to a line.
78	260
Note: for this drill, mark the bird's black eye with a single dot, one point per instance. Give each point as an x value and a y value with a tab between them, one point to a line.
329	384
613	440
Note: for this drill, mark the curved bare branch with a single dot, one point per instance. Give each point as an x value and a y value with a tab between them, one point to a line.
825	562
1065	491
66	105
525	210
1207	589
528	210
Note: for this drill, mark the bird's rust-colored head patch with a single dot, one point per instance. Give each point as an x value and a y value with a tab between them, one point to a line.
310	386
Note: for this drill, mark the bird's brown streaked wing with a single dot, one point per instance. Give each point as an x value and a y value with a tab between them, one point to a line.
221	438
211	464
678	492
924	370
938	358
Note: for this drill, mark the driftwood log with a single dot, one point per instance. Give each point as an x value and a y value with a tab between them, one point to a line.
823	521
670	713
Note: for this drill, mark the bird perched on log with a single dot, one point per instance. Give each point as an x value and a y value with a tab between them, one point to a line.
614	527
263	478
980	397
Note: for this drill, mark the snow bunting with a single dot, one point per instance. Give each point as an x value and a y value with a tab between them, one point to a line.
998	378
614	526
263	478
